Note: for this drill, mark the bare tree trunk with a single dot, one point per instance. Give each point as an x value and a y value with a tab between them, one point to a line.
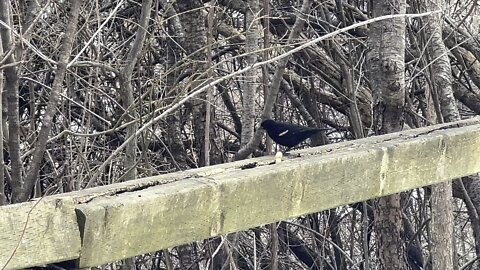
251	77
3	197
15	51
128	101
386	42
173	128
208	109
193	21
11	87
265	73
127	90
442	204
41	143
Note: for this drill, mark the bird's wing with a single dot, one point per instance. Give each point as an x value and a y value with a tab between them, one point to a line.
285	130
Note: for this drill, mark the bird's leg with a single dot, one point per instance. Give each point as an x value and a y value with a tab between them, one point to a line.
285	153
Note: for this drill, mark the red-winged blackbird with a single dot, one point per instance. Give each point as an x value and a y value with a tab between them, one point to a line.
287	134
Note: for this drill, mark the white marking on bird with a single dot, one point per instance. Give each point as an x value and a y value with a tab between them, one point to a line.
283	133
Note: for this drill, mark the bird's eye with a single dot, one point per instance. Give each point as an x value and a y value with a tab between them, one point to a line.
283	133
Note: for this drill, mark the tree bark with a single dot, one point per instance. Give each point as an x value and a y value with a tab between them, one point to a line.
251	77
41	143
193	20
11	91
441	199
128	100
3	197
386	42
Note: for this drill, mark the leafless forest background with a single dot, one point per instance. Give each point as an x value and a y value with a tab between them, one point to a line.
99	92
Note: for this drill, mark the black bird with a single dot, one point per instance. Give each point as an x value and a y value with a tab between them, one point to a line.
287	134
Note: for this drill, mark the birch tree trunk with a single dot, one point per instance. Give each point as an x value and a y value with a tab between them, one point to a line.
386	41
251	77
193	20
441	199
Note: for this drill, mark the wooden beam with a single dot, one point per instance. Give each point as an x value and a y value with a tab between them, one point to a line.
39	232
145	215
234	199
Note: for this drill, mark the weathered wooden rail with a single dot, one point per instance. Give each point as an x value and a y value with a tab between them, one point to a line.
108	223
